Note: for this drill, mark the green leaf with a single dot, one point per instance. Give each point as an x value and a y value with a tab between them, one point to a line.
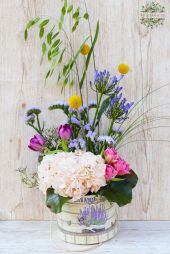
89	54
120	191
61	56
76	13
54	201
54	52
49	55
65	68
32	22
29	24
25	34
55	35
47	75
103	107
44	48
49	35
41	32
55	44
75	26
117	179
64	145
59	77
70	8
44	23
72	83
63	10
86	16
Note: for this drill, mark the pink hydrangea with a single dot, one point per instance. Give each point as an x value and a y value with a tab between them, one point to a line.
122	167
110	172
111	156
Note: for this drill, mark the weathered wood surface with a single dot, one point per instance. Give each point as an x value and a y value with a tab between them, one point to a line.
122	39
134	237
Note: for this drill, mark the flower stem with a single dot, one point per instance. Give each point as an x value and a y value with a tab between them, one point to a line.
97	110
110	127
39	126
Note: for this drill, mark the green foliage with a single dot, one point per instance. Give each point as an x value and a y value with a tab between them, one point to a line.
64	145
120	191
53	46
54	201
30	180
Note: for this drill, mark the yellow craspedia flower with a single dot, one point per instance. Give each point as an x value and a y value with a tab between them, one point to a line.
123	68
85	50
75	101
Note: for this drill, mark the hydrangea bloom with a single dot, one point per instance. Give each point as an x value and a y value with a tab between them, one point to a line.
72	174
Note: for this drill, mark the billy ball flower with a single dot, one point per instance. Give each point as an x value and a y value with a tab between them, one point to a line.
85	49
36	143
75	102
123	68
65	131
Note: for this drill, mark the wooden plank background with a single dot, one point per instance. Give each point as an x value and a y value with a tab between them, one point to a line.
122	39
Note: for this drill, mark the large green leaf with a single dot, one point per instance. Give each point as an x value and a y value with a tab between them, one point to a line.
120	191
54	201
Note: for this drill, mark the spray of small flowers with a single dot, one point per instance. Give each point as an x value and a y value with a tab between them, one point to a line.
77	158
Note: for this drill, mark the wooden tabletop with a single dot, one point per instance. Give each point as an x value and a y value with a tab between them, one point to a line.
135	237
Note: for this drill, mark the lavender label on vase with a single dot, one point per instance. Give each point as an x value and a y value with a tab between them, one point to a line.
92	218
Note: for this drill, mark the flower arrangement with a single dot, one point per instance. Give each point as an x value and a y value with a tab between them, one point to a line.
76	158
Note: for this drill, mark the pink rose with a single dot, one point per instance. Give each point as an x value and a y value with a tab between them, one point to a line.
110	172
111	156
122	167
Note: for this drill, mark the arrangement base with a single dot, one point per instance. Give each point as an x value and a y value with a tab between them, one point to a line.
92	220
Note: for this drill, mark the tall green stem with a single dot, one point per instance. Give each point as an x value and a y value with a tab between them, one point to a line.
97	110
110	127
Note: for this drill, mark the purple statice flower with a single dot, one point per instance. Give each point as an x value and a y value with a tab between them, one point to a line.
74	120
108	139
72	110
29	119
91	135
33	110
58	105
117	129
82	109
104	83
77	143
73	144
87	127
82	143
92	104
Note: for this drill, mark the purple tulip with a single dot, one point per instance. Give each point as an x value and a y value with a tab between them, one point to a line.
65	131
36	143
